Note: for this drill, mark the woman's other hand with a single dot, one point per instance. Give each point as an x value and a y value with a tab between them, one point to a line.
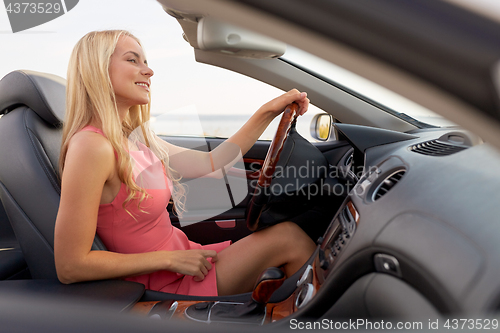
278	105
191	262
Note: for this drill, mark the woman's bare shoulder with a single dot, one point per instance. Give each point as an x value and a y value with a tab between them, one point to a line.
88	145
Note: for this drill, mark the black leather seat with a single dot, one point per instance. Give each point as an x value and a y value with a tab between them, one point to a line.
33	107
12	264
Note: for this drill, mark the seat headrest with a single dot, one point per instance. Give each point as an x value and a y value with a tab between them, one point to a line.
43	93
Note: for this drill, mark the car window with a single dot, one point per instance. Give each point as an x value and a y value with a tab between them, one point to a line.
188	98
214	104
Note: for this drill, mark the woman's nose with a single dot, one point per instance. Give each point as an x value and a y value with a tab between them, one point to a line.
147	71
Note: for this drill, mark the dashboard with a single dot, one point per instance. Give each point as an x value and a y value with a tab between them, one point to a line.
417	235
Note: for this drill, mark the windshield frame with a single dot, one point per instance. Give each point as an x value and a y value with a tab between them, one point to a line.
362	97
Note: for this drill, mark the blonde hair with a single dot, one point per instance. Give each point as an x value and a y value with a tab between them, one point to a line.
90	99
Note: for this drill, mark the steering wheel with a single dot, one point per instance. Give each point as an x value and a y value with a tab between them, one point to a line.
261	194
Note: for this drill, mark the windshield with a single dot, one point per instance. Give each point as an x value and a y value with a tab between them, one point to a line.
372	92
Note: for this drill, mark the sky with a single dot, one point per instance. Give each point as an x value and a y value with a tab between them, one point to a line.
178	78
53	41
180	85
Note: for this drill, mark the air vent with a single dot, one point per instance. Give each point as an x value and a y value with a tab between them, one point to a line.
436	148
388	183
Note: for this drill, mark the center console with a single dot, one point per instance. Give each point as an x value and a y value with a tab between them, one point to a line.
258	310
337	237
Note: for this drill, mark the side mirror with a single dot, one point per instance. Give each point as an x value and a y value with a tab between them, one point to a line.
321	127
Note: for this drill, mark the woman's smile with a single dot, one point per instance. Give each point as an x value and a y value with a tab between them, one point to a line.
143	84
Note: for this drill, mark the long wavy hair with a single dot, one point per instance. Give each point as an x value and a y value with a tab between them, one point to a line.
90	98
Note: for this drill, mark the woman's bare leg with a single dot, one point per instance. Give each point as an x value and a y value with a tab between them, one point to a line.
282	245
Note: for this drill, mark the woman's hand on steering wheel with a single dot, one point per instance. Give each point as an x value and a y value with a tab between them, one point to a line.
278	105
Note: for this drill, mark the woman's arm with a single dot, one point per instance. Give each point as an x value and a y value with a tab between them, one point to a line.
193	164
90	163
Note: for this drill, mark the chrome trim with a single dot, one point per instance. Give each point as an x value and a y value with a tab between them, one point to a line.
172	310
309	289
305	275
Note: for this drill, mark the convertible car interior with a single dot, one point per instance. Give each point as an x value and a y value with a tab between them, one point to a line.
405	214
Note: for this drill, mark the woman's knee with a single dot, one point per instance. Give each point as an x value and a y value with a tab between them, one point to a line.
290	229
285	237
290	233
295	244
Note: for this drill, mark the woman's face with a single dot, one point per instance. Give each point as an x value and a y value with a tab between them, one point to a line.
130	74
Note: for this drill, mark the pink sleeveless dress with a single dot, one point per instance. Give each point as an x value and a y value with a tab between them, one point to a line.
151	230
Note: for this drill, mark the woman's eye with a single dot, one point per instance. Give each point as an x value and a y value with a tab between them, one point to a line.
132	60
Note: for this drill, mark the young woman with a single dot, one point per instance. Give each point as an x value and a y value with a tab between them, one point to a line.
108	100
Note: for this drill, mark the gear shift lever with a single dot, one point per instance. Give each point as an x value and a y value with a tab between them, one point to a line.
267	283
251	312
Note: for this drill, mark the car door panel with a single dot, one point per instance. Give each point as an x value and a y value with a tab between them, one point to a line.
231	225
227	225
